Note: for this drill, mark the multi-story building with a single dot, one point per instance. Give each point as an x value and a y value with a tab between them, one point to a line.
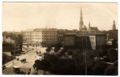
97	40
49	36
69	38
26	37
38	37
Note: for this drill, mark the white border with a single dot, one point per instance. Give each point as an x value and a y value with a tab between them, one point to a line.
51	1
66	0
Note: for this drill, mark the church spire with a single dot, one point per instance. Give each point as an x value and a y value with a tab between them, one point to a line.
114	26
81	21
89	26
81	17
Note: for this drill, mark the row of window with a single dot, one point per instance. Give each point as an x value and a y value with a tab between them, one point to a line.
47	35
32	33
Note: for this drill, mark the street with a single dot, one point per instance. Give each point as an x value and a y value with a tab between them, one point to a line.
30	57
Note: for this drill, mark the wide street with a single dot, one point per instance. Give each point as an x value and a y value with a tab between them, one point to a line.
30	57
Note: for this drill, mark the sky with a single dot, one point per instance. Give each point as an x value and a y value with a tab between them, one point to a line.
25	16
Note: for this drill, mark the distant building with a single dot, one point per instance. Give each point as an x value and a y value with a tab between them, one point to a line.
93	41
97	40
72	39
39	37
64	33
26	37
92	29
61	35
83	42
100	40
49	36
69	38
81	23
113	33
114	26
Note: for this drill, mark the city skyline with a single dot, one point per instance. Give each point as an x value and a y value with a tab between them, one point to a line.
23	16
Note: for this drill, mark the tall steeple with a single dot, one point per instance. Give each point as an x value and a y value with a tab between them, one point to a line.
89	26
114	26
81	23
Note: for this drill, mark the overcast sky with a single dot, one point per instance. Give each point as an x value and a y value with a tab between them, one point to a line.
23	16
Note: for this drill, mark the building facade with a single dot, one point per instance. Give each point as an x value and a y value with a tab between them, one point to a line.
49	37
97	40
38	37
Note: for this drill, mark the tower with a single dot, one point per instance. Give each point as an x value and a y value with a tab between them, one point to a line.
114	26
81	23
89	26
82	27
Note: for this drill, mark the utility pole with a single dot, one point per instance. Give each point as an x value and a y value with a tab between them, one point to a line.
85	56
85	52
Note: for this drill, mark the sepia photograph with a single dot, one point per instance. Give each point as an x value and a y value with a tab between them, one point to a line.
60	38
